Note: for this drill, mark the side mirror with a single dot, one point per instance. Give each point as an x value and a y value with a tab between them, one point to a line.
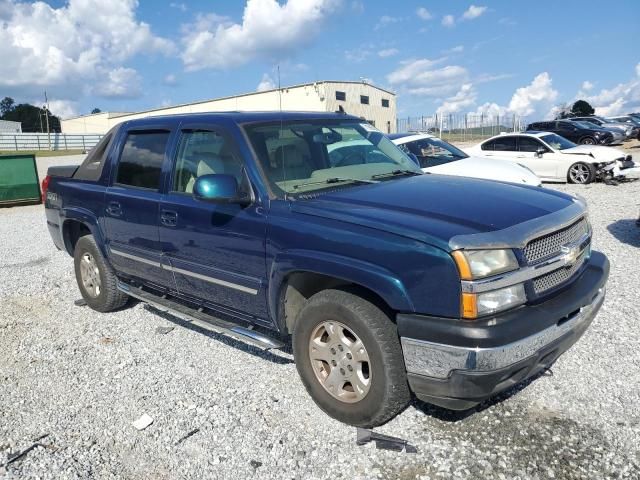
218	188
540	152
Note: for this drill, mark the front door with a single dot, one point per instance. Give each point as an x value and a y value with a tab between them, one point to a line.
544	166
131	207
216	251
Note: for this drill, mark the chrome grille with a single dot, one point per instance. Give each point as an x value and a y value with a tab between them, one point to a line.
557	277
550	245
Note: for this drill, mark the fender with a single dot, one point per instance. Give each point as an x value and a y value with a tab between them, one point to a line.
89	219
373	277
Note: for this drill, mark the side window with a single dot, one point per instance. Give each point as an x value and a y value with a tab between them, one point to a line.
91	168
203	152
141	159
385	103
528	144
488	145
364	99
505	144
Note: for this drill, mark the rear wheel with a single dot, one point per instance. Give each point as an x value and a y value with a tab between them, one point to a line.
349	357
588	141
581	172
97	281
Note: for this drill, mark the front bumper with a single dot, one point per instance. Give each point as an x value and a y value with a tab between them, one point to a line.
458	364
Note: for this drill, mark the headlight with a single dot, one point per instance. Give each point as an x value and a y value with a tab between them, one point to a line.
480	304
474	264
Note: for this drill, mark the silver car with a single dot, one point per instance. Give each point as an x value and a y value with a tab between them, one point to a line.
627	129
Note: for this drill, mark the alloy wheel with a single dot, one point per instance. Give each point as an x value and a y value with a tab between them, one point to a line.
90	275
340	361
579	173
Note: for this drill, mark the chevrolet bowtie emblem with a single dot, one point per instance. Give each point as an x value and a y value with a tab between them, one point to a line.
571	253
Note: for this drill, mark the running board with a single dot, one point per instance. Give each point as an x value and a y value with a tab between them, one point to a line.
202	319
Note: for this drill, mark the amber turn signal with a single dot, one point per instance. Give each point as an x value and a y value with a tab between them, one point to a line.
469	305
462	264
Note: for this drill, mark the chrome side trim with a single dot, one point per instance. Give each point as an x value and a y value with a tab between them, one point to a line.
517	236
439	360
135	258
206	278
216	281
567	257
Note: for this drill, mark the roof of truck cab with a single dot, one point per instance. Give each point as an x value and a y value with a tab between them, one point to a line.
243	117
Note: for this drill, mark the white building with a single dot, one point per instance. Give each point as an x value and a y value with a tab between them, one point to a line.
374	104
7	126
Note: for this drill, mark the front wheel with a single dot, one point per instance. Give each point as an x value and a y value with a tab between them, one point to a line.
587	141
582	173
349	358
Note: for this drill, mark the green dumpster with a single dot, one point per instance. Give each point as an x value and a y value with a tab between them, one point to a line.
19	182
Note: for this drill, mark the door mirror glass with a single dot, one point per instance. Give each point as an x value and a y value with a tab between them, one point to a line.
218	188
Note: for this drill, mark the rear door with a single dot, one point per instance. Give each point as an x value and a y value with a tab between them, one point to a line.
132	204
216	251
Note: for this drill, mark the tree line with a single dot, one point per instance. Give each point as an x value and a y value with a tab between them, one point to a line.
32	118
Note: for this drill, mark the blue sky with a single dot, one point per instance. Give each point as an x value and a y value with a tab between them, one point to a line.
454	56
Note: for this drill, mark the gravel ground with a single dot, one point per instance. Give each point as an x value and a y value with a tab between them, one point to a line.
83	377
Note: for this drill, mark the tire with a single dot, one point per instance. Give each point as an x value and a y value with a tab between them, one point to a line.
581	173
96	280
387	392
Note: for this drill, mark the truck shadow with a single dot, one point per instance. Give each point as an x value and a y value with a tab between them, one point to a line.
453	416
626	231
237	344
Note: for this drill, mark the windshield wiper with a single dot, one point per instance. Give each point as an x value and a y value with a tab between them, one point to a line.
334	180
396	173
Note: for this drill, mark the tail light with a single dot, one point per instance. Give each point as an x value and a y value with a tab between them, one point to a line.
45	187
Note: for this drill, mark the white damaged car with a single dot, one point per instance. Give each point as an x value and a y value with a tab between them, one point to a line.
554	158
437	156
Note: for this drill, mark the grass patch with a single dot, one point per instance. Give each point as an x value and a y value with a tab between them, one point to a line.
41	153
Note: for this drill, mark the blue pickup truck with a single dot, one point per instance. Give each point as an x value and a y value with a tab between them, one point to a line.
387	282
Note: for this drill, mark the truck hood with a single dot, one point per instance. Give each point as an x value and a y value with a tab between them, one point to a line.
487	168
599	153
434	208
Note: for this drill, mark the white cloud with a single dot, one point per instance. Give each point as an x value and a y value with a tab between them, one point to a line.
448	21
424	14
456	49
268	29
624	97
61	108
422	77
587	85
120	82
490	109
388	52
266	83
180	6
473	12
527	100
171	80
386	20
485	77
358	55
68	47
465	98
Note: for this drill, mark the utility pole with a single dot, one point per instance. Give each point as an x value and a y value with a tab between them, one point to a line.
46	111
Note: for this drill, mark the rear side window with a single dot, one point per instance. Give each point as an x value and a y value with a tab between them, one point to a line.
505	144
141	159
91	168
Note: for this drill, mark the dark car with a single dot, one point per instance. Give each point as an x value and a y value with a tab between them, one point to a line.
631	119
628	130
385	280
575	131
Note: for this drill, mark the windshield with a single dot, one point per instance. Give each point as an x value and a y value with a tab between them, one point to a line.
300	157
433	151
557	142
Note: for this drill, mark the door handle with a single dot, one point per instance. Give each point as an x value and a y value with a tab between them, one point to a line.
114	209
169	218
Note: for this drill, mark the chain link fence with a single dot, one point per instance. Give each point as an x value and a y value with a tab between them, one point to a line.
462	127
